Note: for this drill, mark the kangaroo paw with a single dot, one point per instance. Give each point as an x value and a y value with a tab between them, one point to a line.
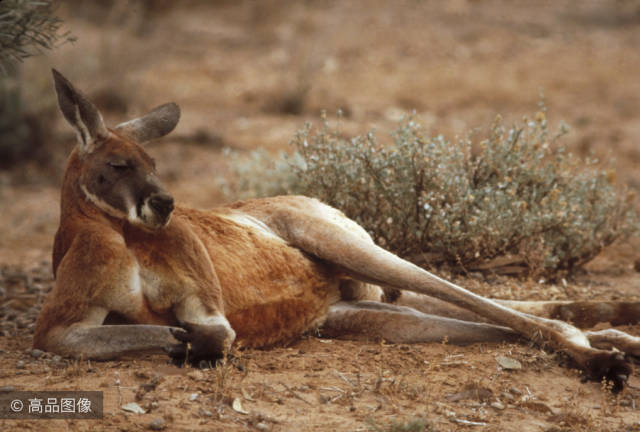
201	345
612	367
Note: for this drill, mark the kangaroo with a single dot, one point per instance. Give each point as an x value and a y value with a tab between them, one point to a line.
257	273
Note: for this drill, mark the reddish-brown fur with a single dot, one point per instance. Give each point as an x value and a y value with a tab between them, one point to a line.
272	292
259	272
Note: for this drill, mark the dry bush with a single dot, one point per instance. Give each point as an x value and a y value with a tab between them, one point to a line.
518	197
27	28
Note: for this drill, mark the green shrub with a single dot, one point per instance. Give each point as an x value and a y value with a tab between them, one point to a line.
517	197
26	28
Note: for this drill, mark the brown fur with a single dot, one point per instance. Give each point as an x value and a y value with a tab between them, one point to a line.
259	272
274	292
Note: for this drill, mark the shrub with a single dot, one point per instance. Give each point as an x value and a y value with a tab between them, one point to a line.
517	201
27	27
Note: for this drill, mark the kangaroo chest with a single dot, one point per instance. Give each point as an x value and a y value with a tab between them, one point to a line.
270	291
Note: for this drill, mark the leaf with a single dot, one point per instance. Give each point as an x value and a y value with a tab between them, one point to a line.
134	408
237	406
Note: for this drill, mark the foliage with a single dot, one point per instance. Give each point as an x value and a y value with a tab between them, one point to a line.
27	26
518	193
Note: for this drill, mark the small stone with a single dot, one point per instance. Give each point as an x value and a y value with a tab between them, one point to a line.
497	405
262	427
134	408
477	276
508	363
508	396
158	424
196	375
515	391
193	397
58	362
36	353
20	365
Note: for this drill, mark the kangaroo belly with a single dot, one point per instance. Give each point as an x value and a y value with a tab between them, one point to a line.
272	291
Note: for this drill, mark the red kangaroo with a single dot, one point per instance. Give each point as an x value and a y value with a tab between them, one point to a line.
257	273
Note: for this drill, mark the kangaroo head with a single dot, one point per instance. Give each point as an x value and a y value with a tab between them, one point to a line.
115	172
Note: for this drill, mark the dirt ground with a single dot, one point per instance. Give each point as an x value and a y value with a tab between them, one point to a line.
247	75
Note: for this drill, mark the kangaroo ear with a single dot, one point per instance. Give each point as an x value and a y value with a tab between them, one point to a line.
80	113
155	124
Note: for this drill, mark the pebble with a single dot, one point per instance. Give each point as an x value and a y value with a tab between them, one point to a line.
196	375
508	363
497	405
36	353
58	362
508	396
477	276
158	424
20	365
262	427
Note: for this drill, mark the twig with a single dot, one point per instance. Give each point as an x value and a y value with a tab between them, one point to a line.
332	388
296	395
344	378
469	422
117	374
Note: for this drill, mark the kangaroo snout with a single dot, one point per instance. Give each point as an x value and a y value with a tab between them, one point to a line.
161	204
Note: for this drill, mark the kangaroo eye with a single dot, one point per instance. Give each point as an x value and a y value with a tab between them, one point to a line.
119	165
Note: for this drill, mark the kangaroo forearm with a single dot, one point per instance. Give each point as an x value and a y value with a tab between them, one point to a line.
106	342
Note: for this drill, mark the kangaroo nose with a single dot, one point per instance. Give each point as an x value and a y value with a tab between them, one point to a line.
161	203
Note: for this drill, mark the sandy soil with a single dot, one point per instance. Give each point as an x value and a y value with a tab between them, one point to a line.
235	69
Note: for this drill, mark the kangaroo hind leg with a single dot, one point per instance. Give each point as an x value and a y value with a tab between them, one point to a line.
327	234
399	324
